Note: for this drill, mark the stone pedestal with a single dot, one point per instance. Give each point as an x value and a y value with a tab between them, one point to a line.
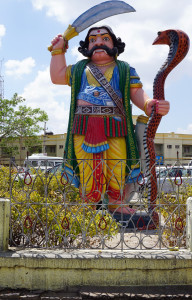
189	223
4	223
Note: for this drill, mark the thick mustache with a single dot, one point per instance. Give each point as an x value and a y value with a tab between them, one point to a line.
99	50
111	52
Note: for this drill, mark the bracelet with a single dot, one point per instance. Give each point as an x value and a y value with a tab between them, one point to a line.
57	52
145	105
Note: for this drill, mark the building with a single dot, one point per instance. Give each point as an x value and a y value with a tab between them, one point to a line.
54	144
172	146
169	147
51	144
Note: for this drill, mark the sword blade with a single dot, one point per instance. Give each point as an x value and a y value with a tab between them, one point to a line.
99	12
95	14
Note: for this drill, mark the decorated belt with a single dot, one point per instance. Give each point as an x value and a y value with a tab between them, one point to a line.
98	110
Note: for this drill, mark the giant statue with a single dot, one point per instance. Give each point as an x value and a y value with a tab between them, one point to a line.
100	128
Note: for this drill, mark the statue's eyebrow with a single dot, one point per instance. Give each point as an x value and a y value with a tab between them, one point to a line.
99	34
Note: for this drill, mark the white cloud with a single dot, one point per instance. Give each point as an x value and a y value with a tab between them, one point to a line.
138	30
53	99
2	32
185	19
64	11
185	131
18	68
77	55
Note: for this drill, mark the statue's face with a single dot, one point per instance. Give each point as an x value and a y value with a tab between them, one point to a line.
100	37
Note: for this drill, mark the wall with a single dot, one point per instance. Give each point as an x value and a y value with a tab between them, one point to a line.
59	270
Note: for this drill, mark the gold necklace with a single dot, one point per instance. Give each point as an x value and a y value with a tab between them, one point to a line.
104	65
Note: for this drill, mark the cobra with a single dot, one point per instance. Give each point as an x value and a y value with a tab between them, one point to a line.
178	42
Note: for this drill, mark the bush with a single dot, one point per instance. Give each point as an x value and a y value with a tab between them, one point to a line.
4	182
46	212
173	210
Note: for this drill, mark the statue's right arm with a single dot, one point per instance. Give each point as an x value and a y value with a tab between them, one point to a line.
58	64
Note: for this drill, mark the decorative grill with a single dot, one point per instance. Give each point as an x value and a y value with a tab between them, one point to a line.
48	210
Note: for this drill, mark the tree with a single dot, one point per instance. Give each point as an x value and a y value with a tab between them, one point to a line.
19	122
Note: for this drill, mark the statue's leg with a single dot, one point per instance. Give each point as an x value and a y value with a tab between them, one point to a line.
116	162
92	171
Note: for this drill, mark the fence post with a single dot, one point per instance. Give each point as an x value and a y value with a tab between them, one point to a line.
4	223
189	223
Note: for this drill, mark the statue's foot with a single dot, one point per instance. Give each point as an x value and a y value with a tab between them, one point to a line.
122	209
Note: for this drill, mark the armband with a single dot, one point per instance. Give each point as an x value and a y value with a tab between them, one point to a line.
145	106
57	52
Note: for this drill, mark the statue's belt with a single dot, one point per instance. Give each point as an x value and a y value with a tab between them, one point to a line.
98	75
98	110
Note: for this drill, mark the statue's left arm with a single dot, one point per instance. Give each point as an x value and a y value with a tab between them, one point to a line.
142	101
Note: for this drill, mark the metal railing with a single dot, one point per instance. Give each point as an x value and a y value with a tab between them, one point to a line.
51	209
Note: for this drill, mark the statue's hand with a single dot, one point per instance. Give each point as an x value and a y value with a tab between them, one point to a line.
59	43
162	106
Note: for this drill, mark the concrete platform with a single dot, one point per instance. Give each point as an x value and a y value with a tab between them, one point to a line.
56	270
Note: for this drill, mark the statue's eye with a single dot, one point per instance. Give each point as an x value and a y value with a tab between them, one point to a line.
92	40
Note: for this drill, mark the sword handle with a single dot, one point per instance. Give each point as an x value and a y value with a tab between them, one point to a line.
68	34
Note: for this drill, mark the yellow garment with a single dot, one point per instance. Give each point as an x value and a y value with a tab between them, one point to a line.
108	174
108	74
93	82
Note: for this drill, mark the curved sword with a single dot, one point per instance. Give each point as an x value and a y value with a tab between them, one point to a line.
95	14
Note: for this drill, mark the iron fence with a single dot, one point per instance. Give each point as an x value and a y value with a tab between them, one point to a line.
51	208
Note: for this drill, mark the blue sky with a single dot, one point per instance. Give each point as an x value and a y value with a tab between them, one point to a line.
28	26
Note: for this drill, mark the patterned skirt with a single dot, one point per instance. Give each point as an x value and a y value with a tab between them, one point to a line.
96	130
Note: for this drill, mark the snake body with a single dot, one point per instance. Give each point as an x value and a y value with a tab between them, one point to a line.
178	43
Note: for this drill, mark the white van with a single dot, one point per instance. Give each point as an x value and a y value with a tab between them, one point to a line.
42	161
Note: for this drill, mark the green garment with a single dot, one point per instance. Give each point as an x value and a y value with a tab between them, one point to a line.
124	75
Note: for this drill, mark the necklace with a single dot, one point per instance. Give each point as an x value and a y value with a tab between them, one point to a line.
104	65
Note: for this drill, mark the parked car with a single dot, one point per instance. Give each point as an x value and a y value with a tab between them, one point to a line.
159	169
27	175
170	178
66	172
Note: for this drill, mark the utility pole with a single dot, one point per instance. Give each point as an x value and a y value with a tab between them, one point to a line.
44	140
